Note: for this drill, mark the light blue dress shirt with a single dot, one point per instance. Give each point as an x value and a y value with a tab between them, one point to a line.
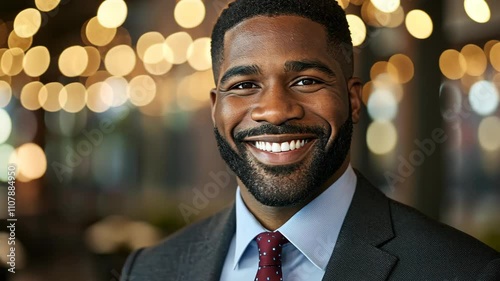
312	232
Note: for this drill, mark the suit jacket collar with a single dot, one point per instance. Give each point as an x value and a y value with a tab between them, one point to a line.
212	250
367	226
356	255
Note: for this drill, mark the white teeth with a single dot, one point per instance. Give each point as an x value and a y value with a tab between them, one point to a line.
280	147
269	147
285	146
276	147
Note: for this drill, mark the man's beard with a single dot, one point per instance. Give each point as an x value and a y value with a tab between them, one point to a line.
287	185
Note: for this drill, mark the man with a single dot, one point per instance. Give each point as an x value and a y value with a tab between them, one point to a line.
283	109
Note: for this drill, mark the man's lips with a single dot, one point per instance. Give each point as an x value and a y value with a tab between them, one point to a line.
281	149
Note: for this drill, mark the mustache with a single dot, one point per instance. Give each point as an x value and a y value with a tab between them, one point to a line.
270	129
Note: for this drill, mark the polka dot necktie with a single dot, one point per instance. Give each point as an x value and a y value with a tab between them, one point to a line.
270	245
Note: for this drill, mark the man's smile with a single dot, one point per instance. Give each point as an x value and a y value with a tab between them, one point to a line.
284	149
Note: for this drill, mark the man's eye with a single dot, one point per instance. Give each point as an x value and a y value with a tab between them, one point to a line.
307	82
245	85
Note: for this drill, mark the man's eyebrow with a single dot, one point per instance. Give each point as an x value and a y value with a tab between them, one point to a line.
302	65
240	71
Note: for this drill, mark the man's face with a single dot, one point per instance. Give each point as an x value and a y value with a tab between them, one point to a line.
282	108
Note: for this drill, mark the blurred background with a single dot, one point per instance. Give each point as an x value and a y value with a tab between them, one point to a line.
104	108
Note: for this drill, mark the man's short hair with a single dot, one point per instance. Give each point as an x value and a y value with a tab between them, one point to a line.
325	12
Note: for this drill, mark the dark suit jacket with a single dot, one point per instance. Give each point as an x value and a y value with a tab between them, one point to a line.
380	239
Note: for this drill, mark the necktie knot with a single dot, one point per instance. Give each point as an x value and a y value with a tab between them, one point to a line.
270	245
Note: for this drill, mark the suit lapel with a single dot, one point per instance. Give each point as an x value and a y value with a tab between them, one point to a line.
204	259
367	226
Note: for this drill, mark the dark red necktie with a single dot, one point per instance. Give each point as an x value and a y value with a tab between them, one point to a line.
270	245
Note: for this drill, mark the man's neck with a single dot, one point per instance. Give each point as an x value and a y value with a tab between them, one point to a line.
273	218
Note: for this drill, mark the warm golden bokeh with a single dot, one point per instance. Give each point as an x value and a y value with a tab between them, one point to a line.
495	56
94	61
15	41
73	97
419	24
489	133
112	13
48	97
31	162
141	90
147	40
99	97
475	59
5	93
29	95
27	23
179	43
12	61
46	5
386	6
118	87
198	54
404	66
381	137
189	13
357	28
73	61
36	61
477	10
120	60
452	64
98	34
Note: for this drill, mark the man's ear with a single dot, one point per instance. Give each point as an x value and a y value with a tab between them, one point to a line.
355	88
213	101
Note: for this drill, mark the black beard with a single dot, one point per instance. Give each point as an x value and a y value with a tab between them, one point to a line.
287	185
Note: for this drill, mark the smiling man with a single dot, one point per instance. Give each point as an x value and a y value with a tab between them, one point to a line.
283	113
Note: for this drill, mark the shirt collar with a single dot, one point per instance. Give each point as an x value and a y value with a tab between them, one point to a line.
323	217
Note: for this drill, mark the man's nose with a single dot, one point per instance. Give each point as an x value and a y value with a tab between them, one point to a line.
277	106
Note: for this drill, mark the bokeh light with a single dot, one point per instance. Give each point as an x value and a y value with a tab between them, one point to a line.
73	61
98	34
189	13
15	41
118	87
495	56
381	137
46	5
49	96
120	60
343	3
386	6
477	10
27	23
147	40
419	24
193	90
6	151
357	28
452	64
112	13
483	97
179	43
5	93
475	60
141	90
5	125
382	105
489	133
383	67
31	161
36	61
99	97
404	67
12	61
94	61
29	95
157	59
73	98
199	54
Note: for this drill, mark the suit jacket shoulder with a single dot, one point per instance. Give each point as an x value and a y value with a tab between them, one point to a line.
196	252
